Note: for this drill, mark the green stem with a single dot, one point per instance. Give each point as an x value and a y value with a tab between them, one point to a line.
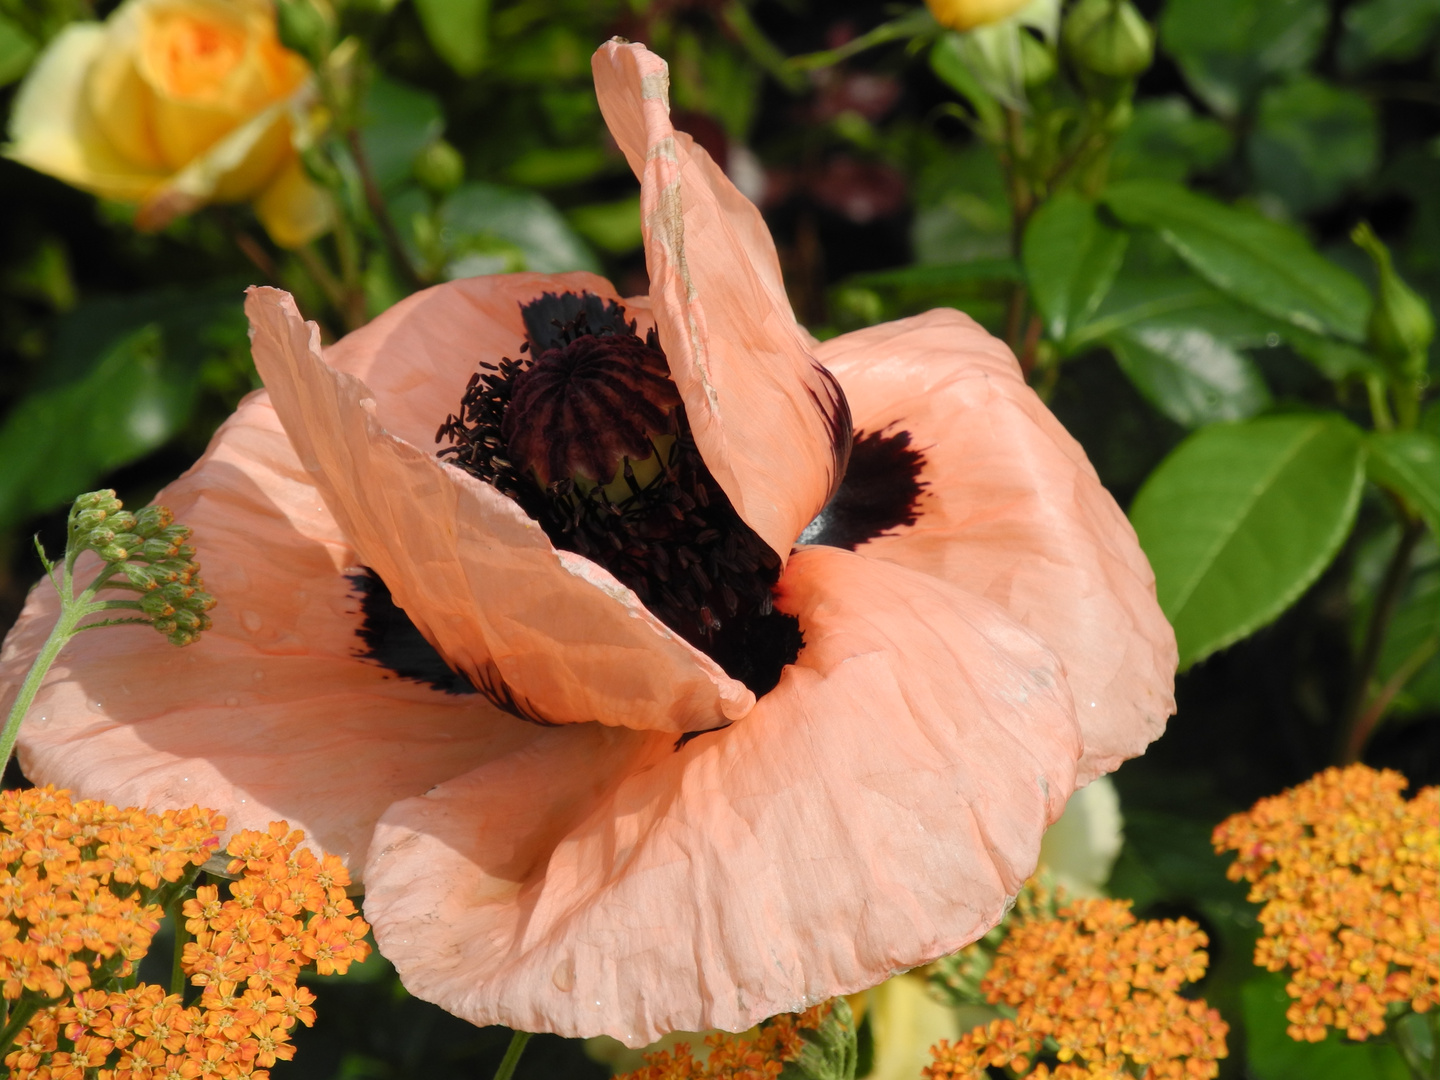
512	1055
63	631
1359	722
381	213
178	982
906	26
20	1015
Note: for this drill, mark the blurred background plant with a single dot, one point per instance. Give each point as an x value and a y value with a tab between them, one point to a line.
1210	230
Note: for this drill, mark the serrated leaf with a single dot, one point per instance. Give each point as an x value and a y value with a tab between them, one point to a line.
1258	262
830	1051
1408	464
1241	518
459	30
1188	373
1071	257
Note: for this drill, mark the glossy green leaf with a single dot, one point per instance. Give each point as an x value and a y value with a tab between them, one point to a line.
1241	518
1228	49
59	441
1394	31
1071	257
17	49
522	220
1408	464
1166	140
1311	142
1335	360
1259	262
1188	373
459	30
398	121
1272	1055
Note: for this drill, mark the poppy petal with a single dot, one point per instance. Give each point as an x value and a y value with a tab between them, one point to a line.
1013	510
271	714
546	629
769	421
876	810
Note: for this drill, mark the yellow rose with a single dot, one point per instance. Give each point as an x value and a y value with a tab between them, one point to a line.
174	104
968	14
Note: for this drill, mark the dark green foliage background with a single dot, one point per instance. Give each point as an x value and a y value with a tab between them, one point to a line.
121	352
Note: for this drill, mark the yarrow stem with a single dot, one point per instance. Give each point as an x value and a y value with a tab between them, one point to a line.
142	553
512	1055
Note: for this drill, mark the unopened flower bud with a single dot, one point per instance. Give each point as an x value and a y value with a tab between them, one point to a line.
122	521
1109	38
157	604
968	14
156	550
1401	323
150	521
439	168
139	576
306	27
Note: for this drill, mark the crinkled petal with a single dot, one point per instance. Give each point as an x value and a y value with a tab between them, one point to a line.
876	810
272	714
1013	511
769	421
548	630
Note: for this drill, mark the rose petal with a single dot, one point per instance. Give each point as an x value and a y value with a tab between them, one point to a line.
271	714
875	811
768	420
477	576
1015	512
52	129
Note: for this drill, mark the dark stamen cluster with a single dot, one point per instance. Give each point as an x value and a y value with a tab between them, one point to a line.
677	541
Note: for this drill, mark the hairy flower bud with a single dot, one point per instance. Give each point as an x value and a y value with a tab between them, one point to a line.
1108	38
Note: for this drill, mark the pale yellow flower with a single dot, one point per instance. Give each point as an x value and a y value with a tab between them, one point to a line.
173	104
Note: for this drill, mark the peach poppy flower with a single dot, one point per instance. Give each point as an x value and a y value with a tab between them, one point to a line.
774	793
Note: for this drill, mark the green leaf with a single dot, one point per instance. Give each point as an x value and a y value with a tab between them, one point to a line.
612	226
1336	360
398	121
1408	464
829	1052
1070	257
17	49
1228	49
1188	373
1259	262
58	441
941	276
1272	1055
1165	140
459	30
949	62
556	166
1241	518
1394	31
478	212
1311	142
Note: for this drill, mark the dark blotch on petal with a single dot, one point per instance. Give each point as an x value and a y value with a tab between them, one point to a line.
392	641
880	492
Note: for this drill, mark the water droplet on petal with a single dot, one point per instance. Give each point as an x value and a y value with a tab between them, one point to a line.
564	975
250	620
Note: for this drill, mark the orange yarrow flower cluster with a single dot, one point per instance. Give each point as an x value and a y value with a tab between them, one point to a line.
755	1055
1099	991
286	911
82	886
1347	871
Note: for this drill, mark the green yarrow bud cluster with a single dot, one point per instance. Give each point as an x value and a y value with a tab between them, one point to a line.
148	550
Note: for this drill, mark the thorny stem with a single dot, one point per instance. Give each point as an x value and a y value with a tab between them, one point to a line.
1360	721
512	1055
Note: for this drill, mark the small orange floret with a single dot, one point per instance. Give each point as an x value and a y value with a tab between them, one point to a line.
76	904
1347	871
754	1055
1097	990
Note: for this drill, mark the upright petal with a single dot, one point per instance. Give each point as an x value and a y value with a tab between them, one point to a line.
271	714
876	810
769	421
549	630
1013	511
